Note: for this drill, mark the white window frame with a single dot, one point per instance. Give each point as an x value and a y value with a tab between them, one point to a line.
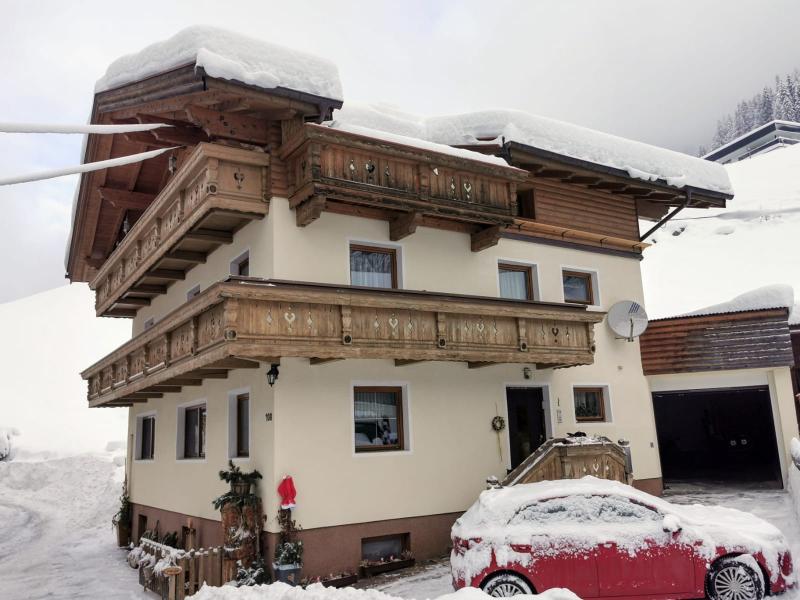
232	424
181	427
398	252
535	280
405	386
233	268
137	454
607	404
195	291
595	275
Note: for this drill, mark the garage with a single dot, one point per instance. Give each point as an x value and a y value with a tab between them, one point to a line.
721	435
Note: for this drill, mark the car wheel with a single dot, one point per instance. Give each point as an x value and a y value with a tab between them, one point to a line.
735	578
506	584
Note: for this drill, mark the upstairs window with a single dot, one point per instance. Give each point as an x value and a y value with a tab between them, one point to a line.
526	204
241	265
146	427
578	287
590	404
378	418
373	266
194	431
516	281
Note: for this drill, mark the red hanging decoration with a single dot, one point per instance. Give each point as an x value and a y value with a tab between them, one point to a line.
287	492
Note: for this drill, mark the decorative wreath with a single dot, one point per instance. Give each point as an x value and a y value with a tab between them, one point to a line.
498	423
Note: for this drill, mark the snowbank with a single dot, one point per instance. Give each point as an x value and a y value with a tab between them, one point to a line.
794	475
769	296
704	257
512	515
640	160
228	55
281	591
56	335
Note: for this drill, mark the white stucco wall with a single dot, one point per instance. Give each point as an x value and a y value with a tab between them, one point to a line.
452	447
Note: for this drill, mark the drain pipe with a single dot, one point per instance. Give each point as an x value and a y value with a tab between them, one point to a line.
685	204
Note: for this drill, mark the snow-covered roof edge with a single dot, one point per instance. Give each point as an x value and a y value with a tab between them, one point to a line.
747	134
227	55
768	297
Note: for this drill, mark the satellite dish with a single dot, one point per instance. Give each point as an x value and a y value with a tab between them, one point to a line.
627	319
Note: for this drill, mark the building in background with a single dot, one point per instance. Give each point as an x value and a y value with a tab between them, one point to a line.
767	137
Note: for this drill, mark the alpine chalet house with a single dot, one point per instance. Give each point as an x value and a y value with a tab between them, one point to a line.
351	297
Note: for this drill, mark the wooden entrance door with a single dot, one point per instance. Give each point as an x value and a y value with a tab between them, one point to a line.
526	428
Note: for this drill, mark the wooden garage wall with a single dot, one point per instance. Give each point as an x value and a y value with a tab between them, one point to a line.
577	207
744	340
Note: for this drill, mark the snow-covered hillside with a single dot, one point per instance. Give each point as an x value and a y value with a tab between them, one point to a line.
705	257
48	339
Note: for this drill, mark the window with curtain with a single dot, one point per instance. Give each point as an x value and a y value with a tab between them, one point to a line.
578	287
516	282
589	404
378	418
373	266
147	441
194	435
243	425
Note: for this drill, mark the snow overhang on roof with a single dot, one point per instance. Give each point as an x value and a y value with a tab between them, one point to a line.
558	140
227	55
768	297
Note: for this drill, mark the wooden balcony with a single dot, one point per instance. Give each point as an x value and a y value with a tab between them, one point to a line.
244	321
214	193
343	172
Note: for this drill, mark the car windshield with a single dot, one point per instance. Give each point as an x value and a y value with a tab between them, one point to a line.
585	509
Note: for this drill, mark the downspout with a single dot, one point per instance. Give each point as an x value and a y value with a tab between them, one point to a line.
686	204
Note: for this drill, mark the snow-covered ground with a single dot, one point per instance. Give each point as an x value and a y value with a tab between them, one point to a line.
56	539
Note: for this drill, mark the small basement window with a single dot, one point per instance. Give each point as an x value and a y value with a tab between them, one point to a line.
384	548
241	265
526	204
590	404
578	287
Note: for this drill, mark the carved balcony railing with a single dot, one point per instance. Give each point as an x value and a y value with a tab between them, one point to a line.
329	169
237	323
218	190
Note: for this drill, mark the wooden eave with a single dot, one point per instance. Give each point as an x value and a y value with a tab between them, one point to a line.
164	98
543	163
718	342
565	234
244	321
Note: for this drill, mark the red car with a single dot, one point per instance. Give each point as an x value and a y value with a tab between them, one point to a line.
604	539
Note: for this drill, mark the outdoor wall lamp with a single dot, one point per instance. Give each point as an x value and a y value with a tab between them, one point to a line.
272	375
526	372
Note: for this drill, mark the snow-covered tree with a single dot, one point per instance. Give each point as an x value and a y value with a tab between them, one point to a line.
6	448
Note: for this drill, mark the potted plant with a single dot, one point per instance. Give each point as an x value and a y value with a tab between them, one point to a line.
288	560
122	520
240	481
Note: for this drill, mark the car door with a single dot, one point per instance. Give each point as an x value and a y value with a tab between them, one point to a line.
640	558
556	562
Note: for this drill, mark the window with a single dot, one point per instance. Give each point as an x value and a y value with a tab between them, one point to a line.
195	291
378	418
149	323
578	287
516	281
241	265
194	432
384	548
243	425
373	266
526	204
589	404
146	428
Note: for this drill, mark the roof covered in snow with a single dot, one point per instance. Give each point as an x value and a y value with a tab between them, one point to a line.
763	298
706	257
637	159
227	55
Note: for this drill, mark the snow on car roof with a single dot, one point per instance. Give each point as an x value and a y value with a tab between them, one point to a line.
491	519
639	160
232	56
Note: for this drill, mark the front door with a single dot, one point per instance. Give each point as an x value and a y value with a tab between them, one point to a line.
526	430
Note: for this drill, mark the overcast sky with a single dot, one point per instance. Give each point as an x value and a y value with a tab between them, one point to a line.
660	72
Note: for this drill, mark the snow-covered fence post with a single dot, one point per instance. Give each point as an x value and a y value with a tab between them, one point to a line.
172	573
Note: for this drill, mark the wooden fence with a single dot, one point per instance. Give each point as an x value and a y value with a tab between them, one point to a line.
176	574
